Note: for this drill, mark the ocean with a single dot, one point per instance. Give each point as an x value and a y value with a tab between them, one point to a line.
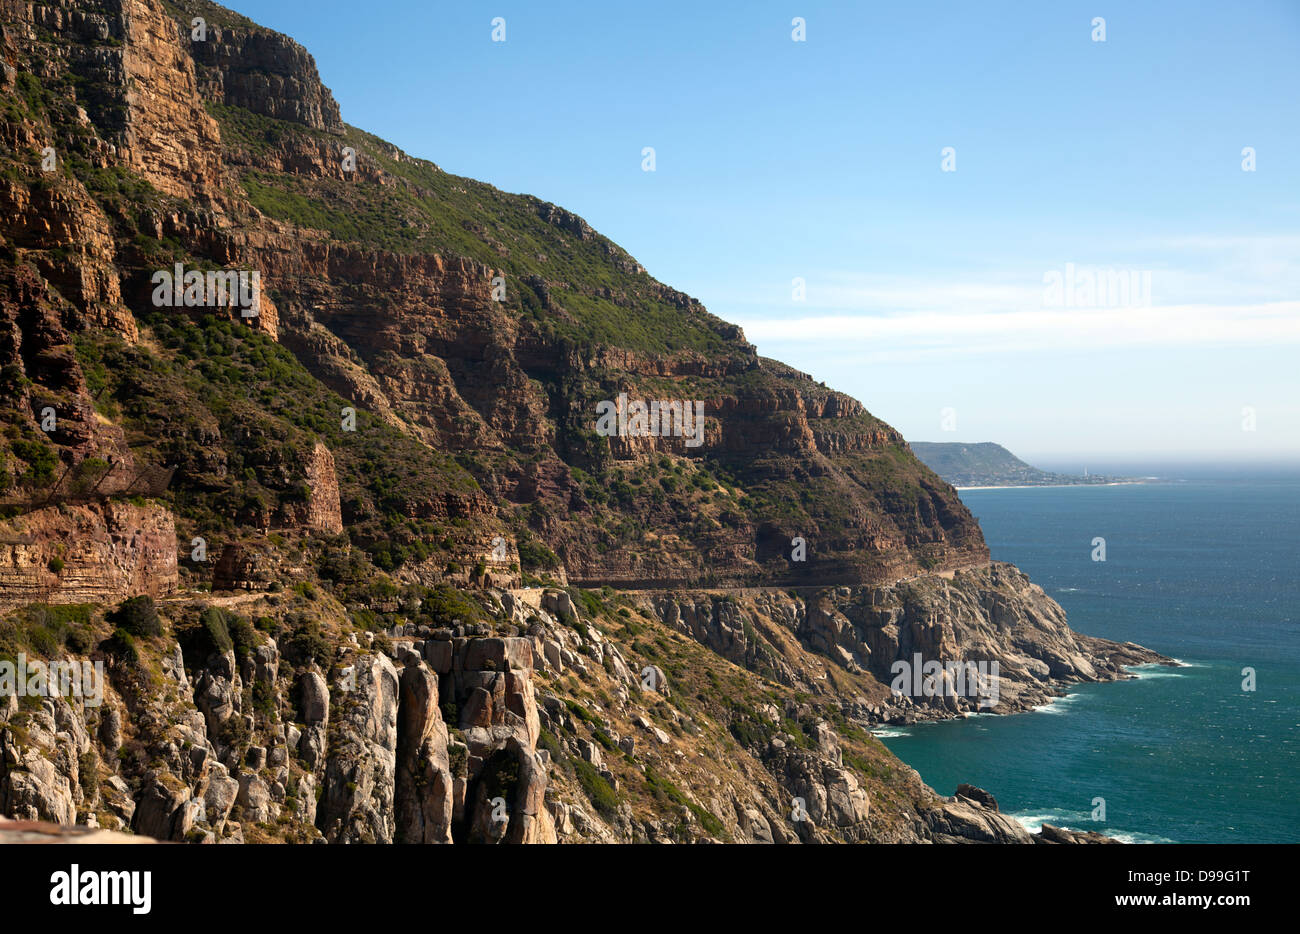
1206	571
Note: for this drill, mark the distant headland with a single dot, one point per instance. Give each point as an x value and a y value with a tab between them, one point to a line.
991	465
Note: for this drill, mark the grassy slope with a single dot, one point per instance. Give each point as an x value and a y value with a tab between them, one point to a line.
431	211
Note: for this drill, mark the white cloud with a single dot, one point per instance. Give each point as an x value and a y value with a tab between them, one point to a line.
1033	329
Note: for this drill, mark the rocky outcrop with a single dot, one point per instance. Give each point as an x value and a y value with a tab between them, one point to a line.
395	774
218	690
887	635
356	804
985	615
972	816
1050	834
87	554
322	511
424	792
247	66
441	735
314	711
168	137
248	565
826	793
964	820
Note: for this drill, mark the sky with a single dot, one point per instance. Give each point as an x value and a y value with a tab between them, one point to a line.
944	179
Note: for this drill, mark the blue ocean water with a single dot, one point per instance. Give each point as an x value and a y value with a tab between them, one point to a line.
1205	571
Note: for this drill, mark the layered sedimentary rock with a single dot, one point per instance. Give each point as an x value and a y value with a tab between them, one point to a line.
87	554
493	346
168	135
264	72
322	512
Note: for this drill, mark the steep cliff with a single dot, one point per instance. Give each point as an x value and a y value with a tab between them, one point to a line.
87	554
468	329
333	408
519	716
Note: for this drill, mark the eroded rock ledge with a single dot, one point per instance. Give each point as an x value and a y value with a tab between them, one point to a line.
545	721
983	614
87	554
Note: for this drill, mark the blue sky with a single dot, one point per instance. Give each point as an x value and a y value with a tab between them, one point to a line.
924	290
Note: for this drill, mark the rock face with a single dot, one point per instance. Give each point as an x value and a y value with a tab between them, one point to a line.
1050	834
985	615
391	777
87	554
322	513
982	615
424	790
248	565
966	820
243	65
357	803
408	425
168	135
414	333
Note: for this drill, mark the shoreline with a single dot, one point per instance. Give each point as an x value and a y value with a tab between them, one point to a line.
1054	703
1051	486
1060	816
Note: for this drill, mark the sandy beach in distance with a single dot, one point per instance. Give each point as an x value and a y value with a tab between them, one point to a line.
1051	486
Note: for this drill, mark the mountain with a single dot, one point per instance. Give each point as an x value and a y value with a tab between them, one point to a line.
301	443
989	464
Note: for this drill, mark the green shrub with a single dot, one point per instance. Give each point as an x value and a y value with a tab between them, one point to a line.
457	760
308	644
665	791
40	458
445	605
122	645
546	740
77	641
88	772
216	629
535	556
242	634
234	732
44	629
590	602
583	714
264	699
44	640
598	791
138	616
500	777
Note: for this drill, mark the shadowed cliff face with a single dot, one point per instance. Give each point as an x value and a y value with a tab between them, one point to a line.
377	275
